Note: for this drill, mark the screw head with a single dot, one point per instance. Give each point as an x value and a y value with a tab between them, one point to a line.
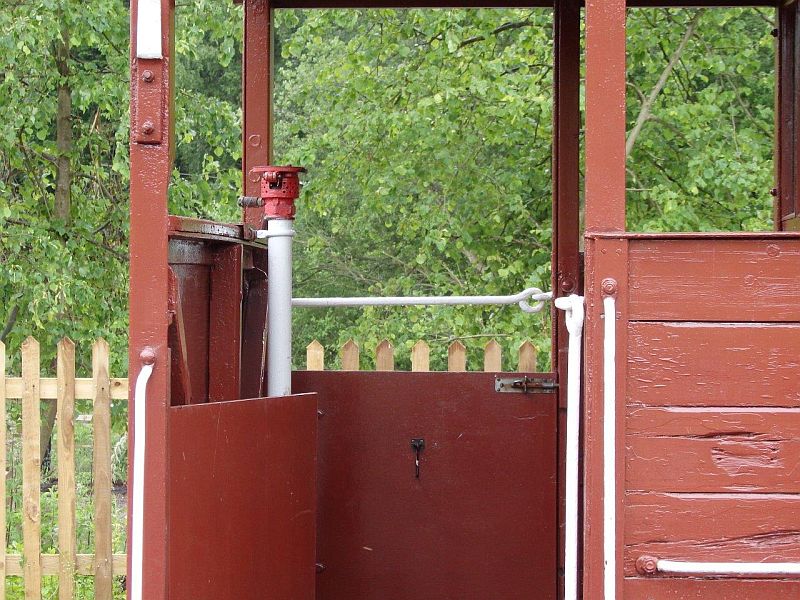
148	127
567	285
148	76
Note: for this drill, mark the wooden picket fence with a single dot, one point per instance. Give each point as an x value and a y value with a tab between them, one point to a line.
420	357
31	389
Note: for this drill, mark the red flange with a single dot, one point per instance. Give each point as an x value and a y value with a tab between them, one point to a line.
280	187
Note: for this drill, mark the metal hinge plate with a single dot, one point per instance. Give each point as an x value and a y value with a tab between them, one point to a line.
524	385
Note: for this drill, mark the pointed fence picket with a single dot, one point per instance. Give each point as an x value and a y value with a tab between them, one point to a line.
527	354
32	390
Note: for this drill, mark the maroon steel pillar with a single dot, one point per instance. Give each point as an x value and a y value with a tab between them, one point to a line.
566	277
605	258
151	161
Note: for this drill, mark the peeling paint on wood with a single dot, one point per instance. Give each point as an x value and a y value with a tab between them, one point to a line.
715	280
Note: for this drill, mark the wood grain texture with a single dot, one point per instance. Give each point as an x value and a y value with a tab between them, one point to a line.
711	450
710	589
384	356
51	564
420	357
350	356
721	280
48	388
527	357
101	463
315	356
712	527
67	542
456	357
31	471
721	364
492	357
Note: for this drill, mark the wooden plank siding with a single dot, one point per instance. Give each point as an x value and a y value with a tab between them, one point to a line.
712	414
719	280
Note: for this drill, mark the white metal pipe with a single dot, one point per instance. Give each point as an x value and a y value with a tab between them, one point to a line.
727	568
522	298
609	449
148	29
279	307
137	516
574	314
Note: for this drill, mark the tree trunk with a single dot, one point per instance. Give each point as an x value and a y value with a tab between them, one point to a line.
63	191
63	124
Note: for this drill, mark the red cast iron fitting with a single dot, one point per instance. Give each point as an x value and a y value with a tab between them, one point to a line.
280	187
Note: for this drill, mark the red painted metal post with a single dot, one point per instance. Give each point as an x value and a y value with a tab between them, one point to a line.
786	146
604	212
257	92
605	115
151	160
566	277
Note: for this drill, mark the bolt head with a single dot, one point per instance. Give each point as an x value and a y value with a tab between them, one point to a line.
148	76
609	286
148	128
647	565
147	355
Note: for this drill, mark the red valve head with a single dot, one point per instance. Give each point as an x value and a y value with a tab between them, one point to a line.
280	187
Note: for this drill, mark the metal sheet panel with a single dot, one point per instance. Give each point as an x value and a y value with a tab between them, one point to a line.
480	522
242	511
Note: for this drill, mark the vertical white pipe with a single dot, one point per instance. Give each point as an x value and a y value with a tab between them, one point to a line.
137	504
609	449
573	307
279	307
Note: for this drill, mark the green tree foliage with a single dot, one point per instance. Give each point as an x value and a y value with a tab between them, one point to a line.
427	138
703	161
426	134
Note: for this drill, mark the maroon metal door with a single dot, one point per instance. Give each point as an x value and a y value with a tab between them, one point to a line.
480	521
242	500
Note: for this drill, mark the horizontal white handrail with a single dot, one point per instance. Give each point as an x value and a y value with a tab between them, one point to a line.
678	567
538	296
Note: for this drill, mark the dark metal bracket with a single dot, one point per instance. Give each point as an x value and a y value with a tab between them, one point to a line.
417	445
524	385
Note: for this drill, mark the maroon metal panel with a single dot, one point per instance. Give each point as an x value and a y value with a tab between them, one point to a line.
225	325
480	522
242	510
151	161
191	262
